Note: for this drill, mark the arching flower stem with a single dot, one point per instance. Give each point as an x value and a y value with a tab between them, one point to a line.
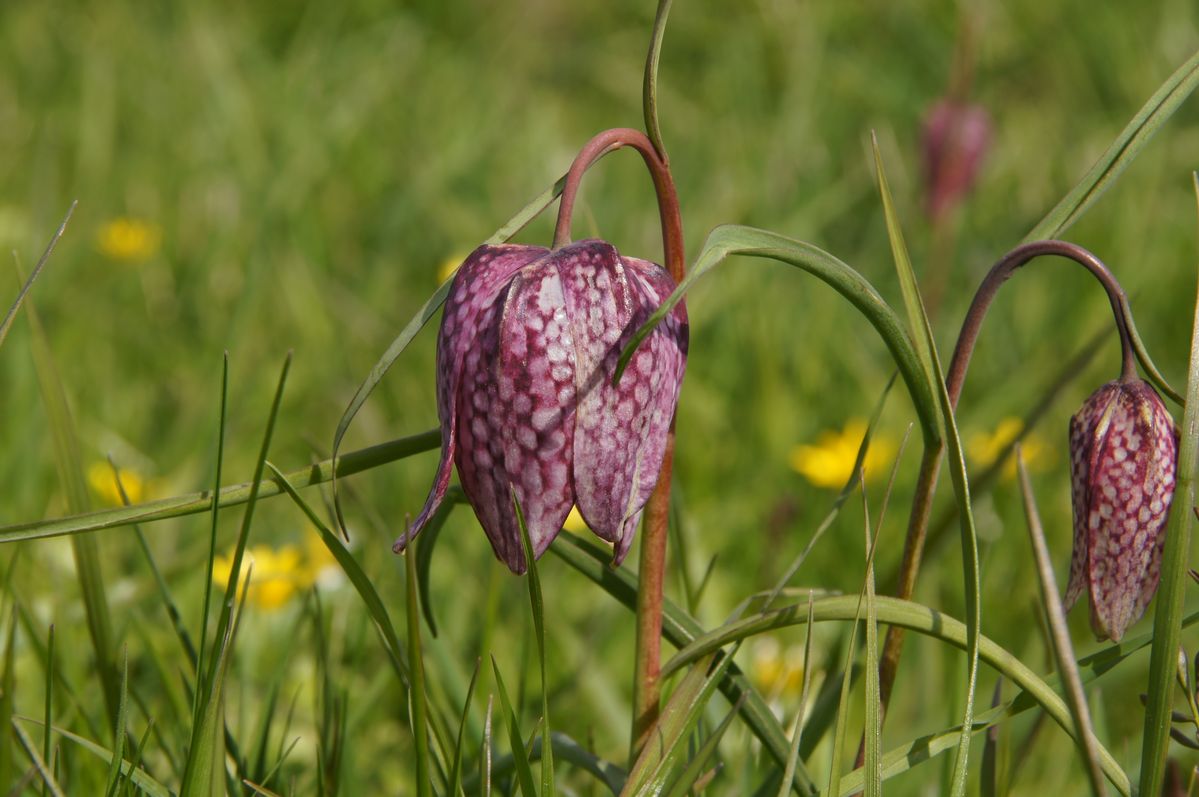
652	567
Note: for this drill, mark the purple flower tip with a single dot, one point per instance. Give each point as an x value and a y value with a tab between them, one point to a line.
528	346
1123	452
955	138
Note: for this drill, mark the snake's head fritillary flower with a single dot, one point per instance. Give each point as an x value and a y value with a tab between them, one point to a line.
955	138
528	346
1123	452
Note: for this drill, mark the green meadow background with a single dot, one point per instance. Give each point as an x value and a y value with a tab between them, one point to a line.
292	176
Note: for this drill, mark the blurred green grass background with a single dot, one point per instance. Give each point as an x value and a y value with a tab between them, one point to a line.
308	167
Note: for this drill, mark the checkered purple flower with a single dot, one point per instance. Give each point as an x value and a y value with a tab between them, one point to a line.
1123	452
527	350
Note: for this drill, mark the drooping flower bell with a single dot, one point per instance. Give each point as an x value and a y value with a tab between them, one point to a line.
528	346
1123	452
954	140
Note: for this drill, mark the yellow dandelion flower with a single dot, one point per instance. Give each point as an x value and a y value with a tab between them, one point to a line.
275	577
984	448
104	484
129	240
829	462
574	521
449	266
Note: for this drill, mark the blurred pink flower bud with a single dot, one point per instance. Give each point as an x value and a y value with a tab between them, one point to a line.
955	139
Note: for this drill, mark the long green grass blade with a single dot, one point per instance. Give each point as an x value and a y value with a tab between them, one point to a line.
524	772
1132	139
728	240
39	762
118	733
1167	619
455	780
872	732
797	729
684	785
1059	635
206	606
565	749
8	682
426	312
947	426
417	711
140	777
11	315
85	548
49	699
680	629
537	605
649	88
233	495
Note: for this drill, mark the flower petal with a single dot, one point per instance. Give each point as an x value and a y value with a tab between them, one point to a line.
475	289
620	432
537	399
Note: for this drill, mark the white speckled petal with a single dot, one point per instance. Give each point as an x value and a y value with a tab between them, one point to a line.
620	432
477	285
536	378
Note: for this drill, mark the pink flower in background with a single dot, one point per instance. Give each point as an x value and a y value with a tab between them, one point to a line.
954	141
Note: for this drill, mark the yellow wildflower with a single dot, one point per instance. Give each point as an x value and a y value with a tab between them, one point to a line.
829	462
574	521
275	575
777	672
320	565
127	239
984	448
449	266
104	484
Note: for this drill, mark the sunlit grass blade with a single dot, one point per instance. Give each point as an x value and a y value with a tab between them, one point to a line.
1167	618
649	88
524	772
417	709
485	750
426	312
358	579
206	606
11	315
1132	139
49	784
1059	635
679	629
928	622
85	548
537	605
668	738
455	780
232	495
685	783
140	777
119	731
947	426
801	709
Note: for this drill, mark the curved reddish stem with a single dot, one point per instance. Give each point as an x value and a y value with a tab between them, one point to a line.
668	198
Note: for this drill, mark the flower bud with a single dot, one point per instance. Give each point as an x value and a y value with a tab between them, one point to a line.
528	346
955	138
1123	452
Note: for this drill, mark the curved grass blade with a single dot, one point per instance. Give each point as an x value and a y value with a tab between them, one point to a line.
195	503
417	712
730	239
922	620
426	312
520	757
1167	618
455	780
565	749
1132	139
6	324
39	762
424	551
680	629
947	426
140	777
1059	634
649	88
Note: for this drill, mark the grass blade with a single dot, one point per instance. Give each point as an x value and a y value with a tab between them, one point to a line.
8	682
85	548
947	426
118	733
649	89
1132	139
39	763
455	781
205	611
417	711
1167	618
7	323
1059	636
538	607
140	777
49	689
524	772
